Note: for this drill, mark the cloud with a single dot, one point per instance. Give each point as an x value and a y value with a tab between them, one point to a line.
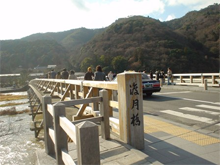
20	18
79	4
107	12
170	17
195	4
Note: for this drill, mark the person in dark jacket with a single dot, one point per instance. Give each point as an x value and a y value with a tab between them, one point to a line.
64	74
89	74
99	75
151	74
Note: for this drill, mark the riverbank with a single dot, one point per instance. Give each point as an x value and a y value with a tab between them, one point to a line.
17	143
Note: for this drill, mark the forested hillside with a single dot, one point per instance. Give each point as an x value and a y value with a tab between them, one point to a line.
187	44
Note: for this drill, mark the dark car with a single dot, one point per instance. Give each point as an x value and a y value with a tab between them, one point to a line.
149	86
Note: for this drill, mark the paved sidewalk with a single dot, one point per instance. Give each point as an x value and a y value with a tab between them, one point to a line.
165	143
112	152
171	143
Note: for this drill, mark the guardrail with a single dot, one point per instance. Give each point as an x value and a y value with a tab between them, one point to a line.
198	79
129	101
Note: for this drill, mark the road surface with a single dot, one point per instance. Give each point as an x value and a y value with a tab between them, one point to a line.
198	109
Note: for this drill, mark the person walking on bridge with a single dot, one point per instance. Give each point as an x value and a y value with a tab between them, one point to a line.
169	76
64	74
72	75
99	75
89	74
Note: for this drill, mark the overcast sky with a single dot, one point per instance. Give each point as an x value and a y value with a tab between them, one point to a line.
20	18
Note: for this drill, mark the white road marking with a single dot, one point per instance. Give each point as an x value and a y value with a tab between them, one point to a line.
188	116
168	93
201	101
199	110
209	107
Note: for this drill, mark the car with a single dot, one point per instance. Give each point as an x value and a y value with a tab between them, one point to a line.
149	86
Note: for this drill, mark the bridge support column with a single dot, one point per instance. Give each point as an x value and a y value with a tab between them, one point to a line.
130	98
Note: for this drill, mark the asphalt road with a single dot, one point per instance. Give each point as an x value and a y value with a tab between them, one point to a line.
201	110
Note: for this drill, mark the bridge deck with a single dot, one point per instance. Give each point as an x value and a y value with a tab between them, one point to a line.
111	152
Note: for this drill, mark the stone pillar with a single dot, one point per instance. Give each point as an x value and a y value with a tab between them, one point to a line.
130	99
87	135
205	84
60	134
191	79
48	123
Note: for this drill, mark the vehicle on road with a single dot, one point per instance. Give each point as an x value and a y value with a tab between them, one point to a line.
149	86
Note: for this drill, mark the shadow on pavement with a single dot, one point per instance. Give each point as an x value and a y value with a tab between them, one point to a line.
167	153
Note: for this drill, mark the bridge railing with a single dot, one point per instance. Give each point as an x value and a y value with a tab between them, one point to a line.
83	133
128	100
213	79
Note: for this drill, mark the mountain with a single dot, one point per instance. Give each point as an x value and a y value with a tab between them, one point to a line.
187	44
27	55
202	26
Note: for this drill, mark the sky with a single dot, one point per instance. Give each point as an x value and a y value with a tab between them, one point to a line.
21	18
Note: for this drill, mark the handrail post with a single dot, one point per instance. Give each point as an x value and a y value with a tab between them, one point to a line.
104	111
60	135
48	123
87	137
213	79
205	84
191	79
181	79
202	79
130	99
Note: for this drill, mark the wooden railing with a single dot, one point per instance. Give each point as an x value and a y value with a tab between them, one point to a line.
83	133
125	95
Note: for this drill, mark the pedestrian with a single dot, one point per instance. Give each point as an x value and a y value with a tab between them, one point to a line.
58	75
89	74
64	74
53	74
72	75
99	75
49	75
157	75
169	76
151	75
110	76
162	76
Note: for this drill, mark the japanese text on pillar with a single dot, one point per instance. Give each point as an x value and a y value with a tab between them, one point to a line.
135	105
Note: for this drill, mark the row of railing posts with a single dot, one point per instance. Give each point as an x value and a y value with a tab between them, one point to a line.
85	134
131	123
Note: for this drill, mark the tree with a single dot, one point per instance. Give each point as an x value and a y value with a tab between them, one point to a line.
119	63
85	64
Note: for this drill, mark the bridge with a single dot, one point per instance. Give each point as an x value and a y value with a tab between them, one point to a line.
95	101
67	107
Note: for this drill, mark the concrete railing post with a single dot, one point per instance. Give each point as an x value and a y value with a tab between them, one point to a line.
130	99
60	134
205	84
213	79
87	137
48	123
191	79
202	79
104	111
